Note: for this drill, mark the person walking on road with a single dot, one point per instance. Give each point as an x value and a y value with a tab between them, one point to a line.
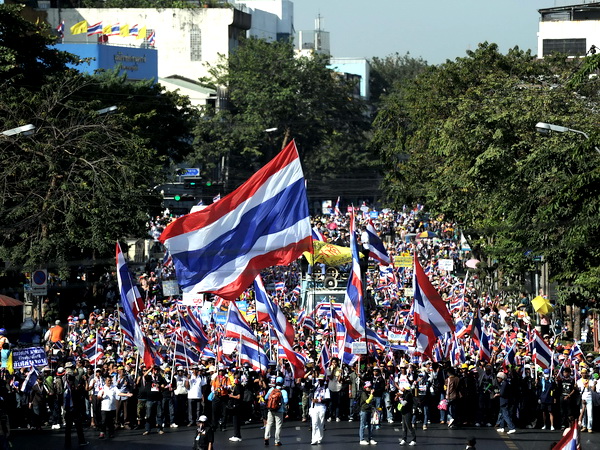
277	400
318	409
406	405
367	403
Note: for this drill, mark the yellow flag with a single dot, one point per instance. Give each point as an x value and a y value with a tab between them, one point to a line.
142	33
124	30
107	29
332	255
80	27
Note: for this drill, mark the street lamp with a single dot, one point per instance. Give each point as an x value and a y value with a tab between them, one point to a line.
109	110
546	128
25	130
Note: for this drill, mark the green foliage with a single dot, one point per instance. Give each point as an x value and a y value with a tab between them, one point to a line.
467	130
269	87
391	71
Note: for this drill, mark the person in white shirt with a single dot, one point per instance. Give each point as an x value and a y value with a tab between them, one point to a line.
181	396
108	396
194	387
586	387
320	396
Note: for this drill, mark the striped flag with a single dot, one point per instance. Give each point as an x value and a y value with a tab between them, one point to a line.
255	356
542	353
94	29
431	317
317	235
376	248
237	327
485	351
324	358
336	209
279	286
352	308
276	316
192	325
263	223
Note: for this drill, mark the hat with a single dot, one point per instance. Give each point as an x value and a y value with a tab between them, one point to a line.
584	370
546	371
279	381
46	369
376	368
321	376
57	322
501	375
60	371
589	355
202	418
168	369
194	367
68	365
367	384
120	368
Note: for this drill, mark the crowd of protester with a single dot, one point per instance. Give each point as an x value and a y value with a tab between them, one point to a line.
95	380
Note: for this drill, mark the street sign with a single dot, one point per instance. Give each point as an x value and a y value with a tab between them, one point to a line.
191	172
39	282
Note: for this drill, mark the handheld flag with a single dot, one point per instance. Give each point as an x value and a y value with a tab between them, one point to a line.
376	247
352	309
61	29
431	316
263	223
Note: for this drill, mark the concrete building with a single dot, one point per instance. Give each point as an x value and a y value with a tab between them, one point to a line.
272	20
571	30
357	68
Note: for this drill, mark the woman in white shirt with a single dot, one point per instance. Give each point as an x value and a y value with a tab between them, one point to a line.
586	386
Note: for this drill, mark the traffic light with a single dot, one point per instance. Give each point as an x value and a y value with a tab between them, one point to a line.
183	198
192	182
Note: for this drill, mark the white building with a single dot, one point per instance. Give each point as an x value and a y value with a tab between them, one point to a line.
571	29
272	20
186	39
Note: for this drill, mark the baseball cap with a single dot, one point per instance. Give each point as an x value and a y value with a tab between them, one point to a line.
202	418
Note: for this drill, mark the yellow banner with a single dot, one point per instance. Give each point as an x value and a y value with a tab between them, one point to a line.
403	261
79	27
331	255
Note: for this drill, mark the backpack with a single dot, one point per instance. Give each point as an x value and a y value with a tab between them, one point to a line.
275	400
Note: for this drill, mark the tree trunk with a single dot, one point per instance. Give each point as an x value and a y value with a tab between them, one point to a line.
569	318
576	323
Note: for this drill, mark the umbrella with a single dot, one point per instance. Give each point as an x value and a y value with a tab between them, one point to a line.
542	305
427	234
5	300
472	263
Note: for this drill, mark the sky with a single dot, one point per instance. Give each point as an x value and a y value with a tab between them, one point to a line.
435	30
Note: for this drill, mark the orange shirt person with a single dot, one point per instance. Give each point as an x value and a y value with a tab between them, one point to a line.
57	332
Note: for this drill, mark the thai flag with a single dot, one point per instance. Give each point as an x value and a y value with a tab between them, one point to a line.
61	29
326	308
184	355
324	358
255	356
263	223
458	303
237	327
192	324
115	30
476	330
279	286
94	351
208	353
296	291
167	260
510	358
134	30
431	317
280	324
352	309
152	41
376	247
570	441
94	29
485	352
576	352
317	235
375	341
345	351
458	355
216	198
132	304
542	353
461	329
336	209
309	323
29	380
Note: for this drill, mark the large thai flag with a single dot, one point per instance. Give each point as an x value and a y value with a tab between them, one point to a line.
375	341
255	356
133	305
376	248
352	309
476	330
192	324
542	353
237	327
431	317
265	222
280	323
570	441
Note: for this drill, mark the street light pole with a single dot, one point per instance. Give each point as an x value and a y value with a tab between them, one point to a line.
25	130
546	128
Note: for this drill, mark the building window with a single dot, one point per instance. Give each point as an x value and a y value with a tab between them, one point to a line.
569	47
195	44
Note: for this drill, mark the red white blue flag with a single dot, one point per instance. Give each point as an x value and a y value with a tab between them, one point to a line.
94	29
570	441
431	317
265	222
376	248
352	309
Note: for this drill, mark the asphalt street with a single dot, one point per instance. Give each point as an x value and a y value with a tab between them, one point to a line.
296	435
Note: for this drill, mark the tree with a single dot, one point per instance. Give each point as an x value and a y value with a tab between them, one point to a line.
466	129
269	87
391	71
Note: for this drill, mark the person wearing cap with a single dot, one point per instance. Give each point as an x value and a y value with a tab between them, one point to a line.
406	406
108	396
334	379
74	408
154	412
567	397
506	396
181	397
546	392
318	409
58	388
205	436
37	402
366	405
56	333
586	387
94	386
276	417
221	387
